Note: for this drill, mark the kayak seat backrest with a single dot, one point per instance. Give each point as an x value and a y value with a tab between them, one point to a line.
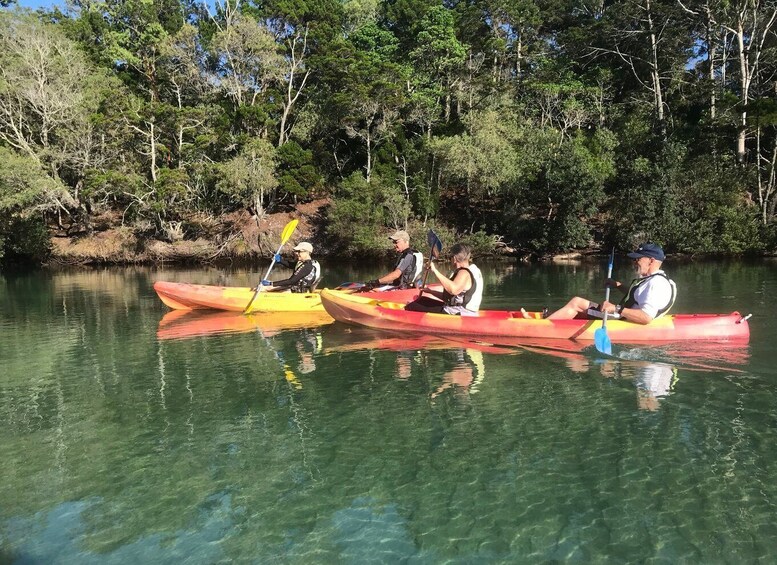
419	266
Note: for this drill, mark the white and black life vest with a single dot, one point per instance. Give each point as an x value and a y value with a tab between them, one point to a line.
411	273
469	299
629	301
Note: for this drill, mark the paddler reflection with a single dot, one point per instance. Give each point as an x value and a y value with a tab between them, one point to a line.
308	345
465	375
653	381
404	365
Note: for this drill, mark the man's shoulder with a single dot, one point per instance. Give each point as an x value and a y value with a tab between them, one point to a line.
659	279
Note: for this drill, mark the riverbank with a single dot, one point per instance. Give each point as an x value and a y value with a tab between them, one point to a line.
236	237
239	238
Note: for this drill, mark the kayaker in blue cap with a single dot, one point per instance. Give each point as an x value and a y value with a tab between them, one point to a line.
648	297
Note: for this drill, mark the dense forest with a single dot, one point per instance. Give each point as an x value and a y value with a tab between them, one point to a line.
543	125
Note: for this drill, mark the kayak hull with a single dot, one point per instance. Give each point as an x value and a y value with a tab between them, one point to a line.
503	323
186	296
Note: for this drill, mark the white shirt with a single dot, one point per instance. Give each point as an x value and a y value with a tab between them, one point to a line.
654	294
477	297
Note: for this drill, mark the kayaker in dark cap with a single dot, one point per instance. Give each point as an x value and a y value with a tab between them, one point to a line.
408	267
648	297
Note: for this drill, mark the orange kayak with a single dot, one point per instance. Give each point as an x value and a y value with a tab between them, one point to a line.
185	296
374	313
178	324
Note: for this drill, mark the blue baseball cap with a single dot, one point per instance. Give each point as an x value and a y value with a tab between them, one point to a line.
651	250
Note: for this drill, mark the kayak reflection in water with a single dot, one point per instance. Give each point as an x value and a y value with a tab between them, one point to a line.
462	289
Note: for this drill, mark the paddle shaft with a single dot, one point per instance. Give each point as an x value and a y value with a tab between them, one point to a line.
426	275
285	235
272	263
259	288
607	290
433	242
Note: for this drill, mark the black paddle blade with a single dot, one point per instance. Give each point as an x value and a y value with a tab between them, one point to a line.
435	245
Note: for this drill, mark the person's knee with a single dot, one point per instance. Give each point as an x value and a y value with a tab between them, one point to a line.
579	304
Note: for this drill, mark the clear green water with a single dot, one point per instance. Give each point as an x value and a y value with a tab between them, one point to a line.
332	445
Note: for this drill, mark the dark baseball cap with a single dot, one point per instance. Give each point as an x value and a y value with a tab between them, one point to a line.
651	250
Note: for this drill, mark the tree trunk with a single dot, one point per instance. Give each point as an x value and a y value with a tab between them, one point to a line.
658	96
369	155
711	50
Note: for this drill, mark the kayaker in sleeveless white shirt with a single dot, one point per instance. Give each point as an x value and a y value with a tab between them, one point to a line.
462	290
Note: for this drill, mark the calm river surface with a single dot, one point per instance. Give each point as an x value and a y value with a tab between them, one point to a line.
133	435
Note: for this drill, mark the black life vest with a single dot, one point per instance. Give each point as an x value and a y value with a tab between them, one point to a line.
308	282
463	298
629	301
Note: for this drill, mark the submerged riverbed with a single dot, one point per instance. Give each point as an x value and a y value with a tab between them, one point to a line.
131	434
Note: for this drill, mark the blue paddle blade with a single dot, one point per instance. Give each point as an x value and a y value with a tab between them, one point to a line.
602	341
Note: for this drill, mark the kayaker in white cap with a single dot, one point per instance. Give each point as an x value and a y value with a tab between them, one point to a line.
306	275
648	297
408	267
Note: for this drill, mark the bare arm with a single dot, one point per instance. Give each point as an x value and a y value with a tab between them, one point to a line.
391	277
460	283
629	314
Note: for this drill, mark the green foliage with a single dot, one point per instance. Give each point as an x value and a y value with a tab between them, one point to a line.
171	192
248	177
481	242
536	123
363	212
556	212
23	239
438	52
690	205
23	184
355	217
295	170
23	188
485	159
111	185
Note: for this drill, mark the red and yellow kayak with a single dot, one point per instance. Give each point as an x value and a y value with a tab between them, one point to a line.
185	296
374	313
